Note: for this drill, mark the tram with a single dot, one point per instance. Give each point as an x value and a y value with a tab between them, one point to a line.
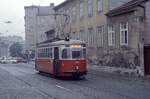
62	58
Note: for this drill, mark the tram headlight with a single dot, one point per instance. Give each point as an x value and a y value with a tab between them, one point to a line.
77	67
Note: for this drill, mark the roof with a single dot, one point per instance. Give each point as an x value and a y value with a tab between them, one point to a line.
127	7
42	10
63	4
52	31
58	41
50	41
64	42
33	6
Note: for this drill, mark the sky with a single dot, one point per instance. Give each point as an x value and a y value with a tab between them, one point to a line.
13	10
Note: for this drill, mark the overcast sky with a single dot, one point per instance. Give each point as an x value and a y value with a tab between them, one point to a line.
13	10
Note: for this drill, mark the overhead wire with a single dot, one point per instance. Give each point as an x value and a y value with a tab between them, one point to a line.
13	25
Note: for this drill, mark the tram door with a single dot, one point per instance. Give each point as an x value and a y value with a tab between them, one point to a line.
56	60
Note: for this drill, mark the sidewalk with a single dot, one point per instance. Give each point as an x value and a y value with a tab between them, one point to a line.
116	73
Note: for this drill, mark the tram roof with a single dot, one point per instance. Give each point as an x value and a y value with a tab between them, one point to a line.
64	42
60	42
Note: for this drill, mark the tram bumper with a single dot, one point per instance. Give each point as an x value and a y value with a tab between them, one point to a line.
77	72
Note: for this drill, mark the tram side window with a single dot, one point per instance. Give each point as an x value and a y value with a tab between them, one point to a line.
49	52
45	53
65	53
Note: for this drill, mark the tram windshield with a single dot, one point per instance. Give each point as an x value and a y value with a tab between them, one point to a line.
77	53
73	53
66	53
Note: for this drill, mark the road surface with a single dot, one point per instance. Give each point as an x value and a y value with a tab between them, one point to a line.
22	81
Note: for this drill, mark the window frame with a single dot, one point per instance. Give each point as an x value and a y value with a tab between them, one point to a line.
90	8
100	41
81	9
123	36
43	53
74	35
74	13
68	16
90	37
100	7
82	37
111	35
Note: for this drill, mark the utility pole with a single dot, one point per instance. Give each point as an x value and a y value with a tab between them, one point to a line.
67	17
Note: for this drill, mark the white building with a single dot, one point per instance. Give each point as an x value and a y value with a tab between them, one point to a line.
6	42
38	19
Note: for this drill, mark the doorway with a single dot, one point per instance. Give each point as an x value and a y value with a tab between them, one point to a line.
56	60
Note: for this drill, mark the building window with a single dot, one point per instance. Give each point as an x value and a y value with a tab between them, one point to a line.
99	5
82	35
100	36
81	9
74	13
124	33
90	8
68	16
90	37
63	20
74	36
111	35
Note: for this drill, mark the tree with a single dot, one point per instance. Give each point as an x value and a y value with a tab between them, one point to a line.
16	50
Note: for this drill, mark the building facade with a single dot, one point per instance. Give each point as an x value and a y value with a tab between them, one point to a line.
147	7
38	20
111	41
127	35
4	49
6	42
87	21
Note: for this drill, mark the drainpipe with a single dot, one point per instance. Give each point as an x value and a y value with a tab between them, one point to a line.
141	46
144	10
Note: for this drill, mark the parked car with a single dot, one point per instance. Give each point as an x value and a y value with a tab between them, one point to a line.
14	61
4	61
21	60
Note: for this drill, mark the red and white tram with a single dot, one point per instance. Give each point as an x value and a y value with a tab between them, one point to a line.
62	58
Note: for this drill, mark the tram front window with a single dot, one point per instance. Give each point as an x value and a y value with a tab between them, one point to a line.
76	54
66	53
73	53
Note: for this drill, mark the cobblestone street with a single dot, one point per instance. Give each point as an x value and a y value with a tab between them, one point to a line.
21	81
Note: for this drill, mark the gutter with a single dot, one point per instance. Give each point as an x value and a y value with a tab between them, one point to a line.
144	10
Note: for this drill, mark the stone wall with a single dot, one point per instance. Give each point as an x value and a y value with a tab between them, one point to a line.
116	58
148	21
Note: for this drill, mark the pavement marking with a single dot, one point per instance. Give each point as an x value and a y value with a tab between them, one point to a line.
63	88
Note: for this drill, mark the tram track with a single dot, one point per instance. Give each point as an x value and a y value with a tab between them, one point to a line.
30	85
50	81
74	84
27	81
87	88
